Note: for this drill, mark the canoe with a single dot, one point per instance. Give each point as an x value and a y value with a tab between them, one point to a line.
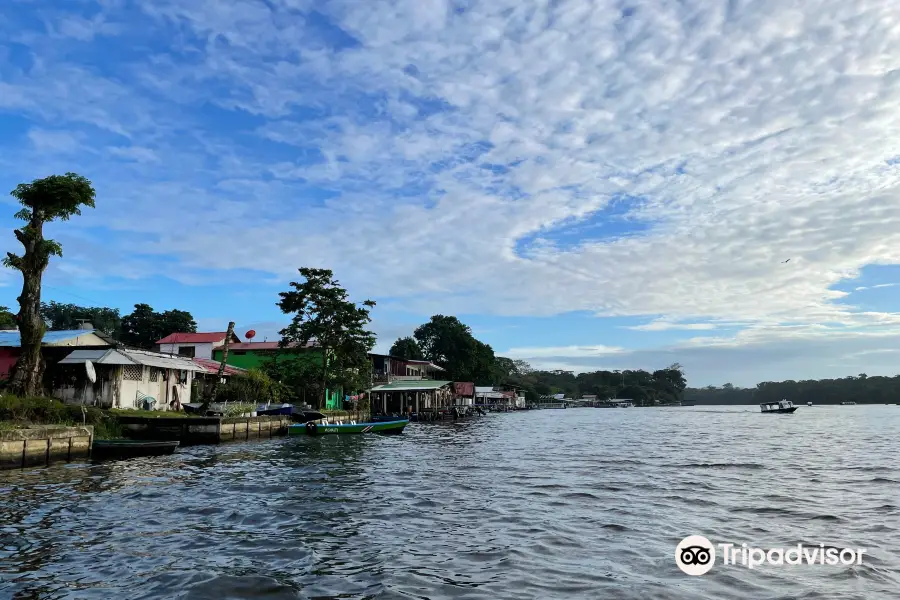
131	448
312	428
285	409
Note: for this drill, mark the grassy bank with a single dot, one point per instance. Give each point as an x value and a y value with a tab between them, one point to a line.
18	413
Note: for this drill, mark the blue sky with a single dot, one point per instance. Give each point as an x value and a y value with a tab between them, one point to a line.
586	184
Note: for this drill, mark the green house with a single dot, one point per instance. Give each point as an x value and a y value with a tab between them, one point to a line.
252	355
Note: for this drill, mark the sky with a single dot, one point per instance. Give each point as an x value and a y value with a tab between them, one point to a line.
588	185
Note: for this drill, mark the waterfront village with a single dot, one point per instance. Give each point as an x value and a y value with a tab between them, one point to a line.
87	369
172	375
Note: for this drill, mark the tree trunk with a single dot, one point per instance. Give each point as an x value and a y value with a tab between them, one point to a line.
28	376
221	372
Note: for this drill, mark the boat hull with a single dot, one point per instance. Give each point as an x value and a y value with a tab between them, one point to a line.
112	449
385	427
781	411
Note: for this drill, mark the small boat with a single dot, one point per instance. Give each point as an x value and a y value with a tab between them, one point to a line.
848	403
809	403
783	407
313	428
284	409
122	448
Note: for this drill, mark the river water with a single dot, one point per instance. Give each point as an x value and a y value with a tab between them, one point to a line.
578	503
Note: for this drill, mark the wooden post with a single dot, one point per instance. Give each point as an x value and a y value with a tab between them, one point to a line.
221	372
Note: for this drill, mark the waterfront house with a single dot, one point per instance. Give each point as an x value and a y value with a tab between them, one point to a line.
387	368
124	378
463	393
55	345
254	355
194	345
420	395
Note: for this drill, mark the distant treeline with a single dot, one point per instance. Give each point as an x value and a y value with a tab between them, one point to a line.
861	389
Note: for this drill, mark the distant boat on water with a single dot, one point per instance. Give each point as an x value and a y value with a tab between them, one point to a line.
783	407
851	403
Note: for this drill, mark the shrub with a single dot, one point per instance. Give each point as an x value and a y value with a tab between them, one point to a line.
46	411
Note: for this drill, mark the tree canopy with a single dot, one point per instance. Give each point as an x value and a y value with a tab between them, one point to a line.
323	312
449	343
58	315
406	348
861	389
144	326
7	319
53	198
664	386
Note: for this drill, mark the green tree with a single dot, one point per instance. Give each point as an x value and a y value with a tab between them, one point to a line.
7	319
58	316
323	312
449	343
54	198
144	326
406	348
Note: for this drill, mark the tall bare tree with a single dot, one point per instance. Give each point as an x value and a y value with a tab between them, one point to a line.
54	198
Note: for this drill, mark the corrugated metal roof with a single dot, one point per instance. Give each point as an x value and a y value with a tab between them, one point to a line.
163	361
212	367
12	338
96	356
426	363
411	385
129	356
195	338
480	389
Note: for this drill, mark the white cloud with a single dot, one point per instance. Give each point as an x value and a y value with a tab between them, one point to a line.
764	353
875	287
568	351
740	136
665	325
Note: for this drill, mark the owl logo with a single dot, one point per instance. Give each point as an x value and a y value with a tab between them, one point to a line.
695	555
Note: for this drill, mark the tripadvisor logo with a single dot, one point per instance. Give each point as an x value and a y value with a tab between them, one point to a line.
696	555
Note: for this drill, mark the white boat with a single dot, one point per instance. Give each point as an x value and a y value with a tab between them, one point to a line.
624	404
809	403
783	407
848	403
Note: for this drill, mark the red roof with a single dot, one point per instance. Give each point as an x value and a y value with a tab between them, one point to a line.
196	338
259	346
212	367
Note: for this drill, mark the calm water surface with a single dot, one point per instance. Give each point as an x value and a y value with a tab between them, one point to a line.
581	503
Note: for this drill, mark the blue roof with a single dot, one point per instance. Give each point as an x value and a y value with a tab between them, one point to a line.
11	339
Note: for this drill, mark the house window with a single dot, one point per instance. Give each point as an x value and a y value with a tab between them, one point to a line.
132	372
154	375
188	351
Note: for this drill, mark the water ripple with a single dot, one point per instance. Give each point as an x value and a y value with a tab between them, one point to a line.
548	504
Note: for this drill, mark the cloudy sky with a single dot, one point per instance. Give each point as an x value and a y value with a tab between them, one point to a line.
601	184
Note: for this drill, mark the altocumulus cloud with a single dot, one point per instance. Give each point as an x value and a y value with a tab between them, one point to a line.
478	139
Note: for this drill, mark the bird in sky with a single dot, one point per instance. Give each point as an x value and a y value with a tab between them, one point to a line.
784	261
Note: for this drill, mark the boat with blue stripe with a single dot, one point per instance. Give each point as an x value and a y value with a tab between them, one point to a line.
352	427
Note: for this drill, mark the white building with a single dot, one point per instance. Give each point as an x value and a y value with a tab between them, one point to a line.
194	345
124	379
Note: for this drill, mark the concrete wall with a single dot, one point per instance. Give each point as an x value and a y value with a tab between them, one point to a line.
204	430
200	350
43	445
